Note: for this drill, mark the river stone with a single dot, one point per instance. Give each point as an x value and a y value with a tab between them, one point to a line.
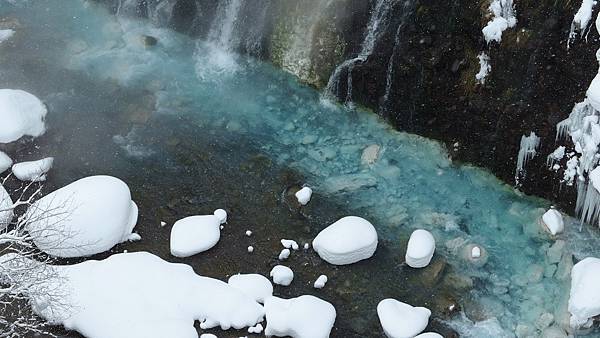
555	252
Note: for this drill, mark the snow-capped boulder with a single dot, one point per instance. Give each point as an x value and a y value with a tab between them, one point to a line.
34	171
320	282
6	212
401	320
584	300
22	114
429	335
302	317
194	234
553	221
421	247
256	286
303	195
5	162
282	275
86	217
349	240
221	215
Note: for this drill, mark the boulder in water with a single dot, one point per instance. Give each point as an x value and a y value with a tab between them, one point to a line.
349	240
21	114
401	320
584	300
420	249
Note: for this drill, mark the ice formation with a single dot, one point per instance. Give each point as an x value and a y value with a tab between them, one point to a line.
581	20
349	240
503	17
401	320
22	114
584	300
5	162
86	217
194	234
34	171
102	299
282	275
556	156
6	211
320	282
255	286
420	249
301	317
303	195
553	221
6	34
484	67
527	150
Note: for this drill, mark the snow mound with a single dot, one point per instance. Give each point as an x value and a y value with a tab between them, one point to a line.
194	234
302	317
320	282
290	244
86	217
6	34
421	247
34	171
140	295
303	195
5	162
553	221
22	114
584	301
282	275
255	286
401	320
284	254
6	212
349	240
221	215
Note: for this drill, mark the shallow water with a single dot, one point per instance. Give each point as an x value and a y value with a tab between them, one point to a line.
193	128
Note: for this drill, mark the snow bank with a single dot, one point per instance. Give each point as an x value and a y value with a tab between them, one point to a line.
302	317
584	301
141	295
194	234
503	17
5	162
553	221
401	320
34	171
320	282
255	286
484	67
6	212
303	195
349	240
22	114
282	275
420	249
86	217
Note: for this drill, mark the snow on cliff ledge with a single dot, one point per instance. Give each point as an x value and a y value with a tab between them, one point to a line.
21	114
503	17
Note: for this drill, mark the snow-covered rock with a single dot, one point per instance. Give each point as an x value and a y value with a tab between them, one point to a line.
22	114
284	254
553	221
6	211
303	195
401	320
282	275
141	295
221	215
5	162
320	282
349	240
420	249
256	286
503	17
250	249
208	335
86	217
34	171
289	244
6	34
584	300
256	329
429	335
302	317
194	234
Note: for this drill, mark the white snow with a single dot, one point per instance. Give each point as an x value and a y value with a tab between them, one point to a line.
301	317
306	246
475	252
553	221
256	329
34	171
194	234
420	249
429	335
320	282
282	275
289	244
503	17
484	67
6	211
221	215
22	114
5	162
349	240
581	20
401	320
208	335
303	195
255	286
6	34
248	233
250	249
86	217
527	150
584	300
284	254
141	295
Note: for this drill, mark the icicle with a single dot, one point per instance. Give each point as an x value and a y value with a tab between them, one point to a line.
581	21
588	197
556	156
527	151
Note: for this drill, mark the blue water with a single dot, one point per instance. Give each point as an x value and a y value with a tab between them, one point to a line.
413	184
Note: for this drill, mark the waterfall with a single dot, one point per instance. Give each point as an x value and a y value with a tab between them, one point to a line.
223	26
377	24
